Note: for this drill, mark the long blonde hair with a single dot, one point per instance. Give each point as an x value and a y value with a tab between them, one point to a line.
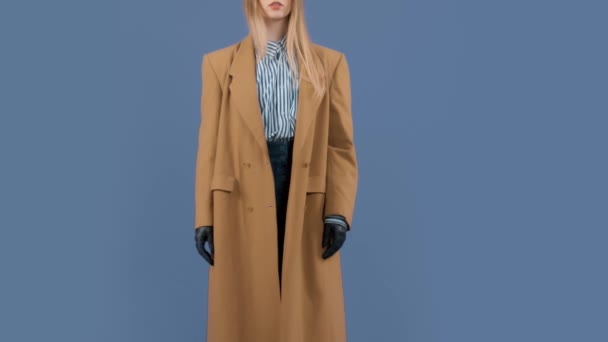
298	42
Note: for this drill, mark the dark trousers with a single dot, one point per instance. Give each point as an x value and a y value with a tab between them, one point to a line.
280	153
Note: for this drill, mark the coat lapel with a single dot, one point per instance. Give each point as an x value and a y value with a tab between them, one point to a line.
243	88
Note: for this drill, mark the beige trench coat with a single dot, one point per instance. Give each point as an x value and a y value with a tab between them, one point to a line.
234	193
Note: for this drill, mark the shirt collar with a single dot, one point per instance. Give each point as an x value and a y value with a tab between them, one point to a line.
274	48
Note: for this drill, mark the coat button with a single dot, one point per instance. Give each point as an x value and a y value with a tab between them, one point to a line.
250	209
305	165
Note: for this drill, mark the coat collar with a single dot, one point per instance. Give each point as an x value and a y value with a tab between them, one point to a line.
243	87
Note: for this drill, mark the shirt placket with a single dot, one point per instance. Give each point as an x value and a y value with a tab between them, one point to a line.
278	92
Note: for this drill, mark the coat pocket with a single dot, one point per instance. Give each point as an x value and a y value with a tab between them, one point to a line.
223	182
316	184
315	201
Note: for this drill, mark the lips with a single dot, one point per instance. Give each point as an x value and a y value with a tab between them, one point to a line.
276	3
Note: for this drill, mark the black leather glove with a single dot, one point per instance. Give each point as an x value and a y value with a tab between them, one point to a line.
201	235
334	236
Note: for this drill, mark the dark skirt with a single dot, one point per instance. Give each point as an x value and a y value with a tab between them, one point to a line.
280	153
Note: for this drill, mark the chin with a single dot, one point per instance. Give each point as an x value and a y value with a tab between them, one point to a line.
275	15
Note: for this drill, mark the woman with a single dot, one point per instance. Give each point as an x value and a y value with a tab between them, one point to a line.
276	179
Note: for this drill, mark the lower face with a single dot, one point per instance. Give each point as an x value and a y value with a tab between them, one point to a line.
274	9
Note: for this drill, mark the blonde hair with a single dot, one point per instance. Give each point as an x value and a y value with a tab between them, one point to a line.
297	43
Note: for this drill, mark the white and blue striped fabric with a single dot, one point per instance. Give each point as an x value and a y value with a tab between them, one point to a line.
278	97
277	92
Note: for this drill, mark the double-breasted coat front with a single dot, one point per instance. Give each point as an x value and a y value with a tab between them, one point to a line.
234	193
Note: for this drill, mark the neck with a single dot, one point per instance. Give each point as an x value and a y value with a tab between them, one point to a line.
276	29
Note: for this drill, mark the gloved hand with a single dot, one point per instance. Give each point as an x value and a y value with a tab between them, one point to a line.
334	236
204	234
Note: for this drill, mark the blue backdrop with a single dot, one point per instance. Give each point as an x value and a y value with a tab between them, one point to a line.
481	135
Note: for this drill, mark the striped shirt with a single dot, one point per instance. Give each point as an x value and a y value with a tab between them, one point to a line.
278	98
277	92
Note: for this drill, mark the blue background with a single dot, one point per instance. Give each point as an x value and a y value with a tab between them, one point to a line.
480	126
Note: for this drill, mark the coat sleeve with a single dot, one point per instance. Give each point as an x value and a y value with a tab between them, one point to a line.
207	137
342	173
